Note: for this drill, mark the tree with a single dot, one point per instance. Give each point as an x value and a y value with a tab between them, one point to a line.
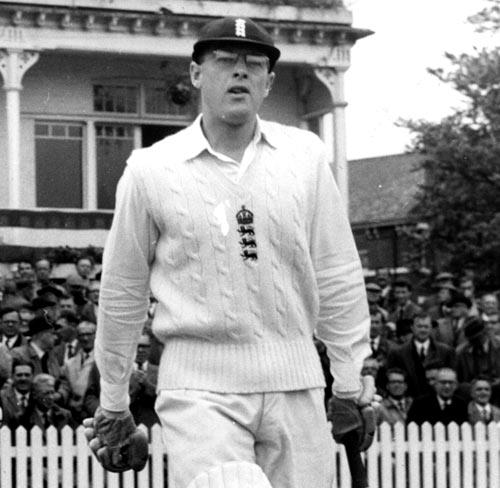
461	197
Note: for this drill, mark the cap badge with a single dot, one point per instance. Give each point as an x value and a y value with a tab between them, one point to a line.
240	27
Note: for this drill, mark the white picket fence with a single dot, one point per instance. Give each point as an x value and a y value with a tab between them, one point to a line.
439	457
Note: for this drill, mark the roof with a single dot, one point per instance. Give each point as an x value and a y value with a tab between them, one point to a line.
382	189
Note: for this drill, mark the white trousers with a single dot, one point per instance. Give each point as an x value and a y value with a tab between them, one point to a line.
222	440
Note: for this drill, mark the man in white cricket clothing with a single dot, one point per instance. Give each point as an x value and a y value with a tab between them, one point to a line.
236	226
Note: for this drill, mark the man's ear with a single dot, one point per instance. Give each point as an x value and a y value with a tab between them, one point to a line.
270	81
195	73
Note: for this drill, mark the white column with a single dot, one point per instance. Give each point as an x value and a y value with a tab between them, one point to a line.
91	168
13	64
333	78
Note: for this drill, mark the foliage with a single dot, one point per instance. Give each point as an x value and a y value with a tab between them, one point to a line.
461	197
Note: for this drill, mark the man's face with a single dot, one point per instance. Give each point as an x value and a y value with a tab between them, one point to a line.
375	325
459	310
373	296
84	267
444	295
446	383
26	315
401	294
10	324
21	378
396	385
489	304
86	336
67	305
143	348
42	270
93	292
481	392
422	328
370	367
467	288
232	90
25	270
43	394
46	340
430	376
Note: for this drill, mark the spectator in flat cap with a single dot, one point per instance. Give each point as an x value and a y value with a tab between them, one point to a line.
373	295
251	201
479	355
450	329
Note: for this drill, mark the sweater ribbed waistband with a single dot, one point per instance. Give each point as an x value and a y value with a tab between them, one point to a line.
255	367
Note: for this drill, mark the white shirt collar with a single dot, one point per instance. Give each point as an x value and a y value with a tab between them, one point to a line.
37	349
425	345
443	402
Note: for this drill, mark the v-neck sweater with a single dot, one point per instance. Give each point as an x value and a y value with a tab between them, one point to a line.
244	271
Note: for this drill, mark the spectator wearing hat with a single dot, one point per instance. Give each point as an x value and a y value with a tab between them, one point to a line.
413	356
438	305
10	323
76	286
480	409
450	329
245	269
40	349
479	356
467	287
373	295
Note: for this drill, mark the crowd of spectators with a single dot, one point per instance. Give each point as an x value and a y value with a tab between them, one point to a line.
436	357
48	376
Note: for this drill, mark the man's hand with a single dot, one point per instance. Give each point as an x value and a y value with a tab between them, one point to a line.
116	441
353	421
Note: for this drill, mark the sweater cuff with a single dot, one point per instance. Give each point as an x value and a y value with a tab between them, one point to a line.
114	398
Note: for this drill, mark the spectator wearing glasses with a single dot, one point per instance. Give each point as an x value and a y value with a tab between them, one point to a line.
252	254
394	407
10	322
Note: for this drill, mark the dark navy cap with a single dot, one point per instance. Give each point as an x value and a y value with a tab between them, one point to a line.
235	31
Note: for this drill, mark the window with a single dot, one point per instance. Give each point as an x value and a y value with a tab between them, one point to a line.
114	145
115	98
58	159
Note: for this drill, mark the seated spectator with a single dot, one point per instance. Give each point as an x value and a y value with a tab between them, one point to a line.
450	329
468	289
14	397
67	305
43	270
77	368
421	349
441	405
431	370
373	294
480	409
383	280
479	356
10	322
143	383
42	410
76	286
394	407
489	308
66	328
380	346
404	307
438	306
91	309
84	267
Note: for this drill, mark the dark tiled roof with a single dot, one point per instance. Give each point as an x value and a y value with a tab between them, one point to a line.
382	189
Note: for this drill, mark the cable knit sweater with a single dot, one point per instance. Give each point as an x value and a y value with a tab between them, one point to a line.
244	272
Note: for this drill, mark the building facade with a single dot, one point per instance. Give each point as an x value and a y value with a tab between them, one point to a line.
87	81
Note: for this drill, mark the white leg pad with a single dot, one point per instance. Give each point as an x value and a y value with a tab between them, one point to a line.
235	474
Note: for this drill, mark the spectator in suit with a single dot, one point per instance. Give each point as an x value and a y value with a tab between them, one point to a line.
76	286
468	289
77	370
394	407
40	349
450	329
421	349
373	295
15	397
404	307
442	405
10	321
84	267
480	409
42	410
91	308
67	305
489	308
43	270
380	346
143	382
479	356
68	346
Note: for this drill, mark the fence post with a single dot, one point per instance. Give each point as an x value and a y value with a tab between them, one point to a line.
414	448
481	466
467	452
454	447
5	458
494	448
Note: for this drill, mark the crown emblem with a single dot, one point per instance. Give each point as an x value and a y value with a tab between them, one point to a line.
244	216
240	28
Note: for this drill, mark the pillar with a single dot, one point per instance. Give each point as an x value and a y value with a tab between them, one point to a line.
13	64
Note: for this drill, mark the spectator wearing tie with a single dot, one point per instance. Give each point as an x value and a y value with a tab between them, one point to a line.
68	346
394	407
10	321
442	405
77	370
42	410
404	307
450	329
480	409
413	355
14	397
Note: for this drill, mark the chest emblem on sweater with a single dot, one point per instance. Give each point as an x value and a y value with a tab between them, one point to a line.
247	234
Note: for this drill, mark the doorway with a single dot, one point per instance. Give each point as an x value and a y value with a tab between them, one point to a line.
154	133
